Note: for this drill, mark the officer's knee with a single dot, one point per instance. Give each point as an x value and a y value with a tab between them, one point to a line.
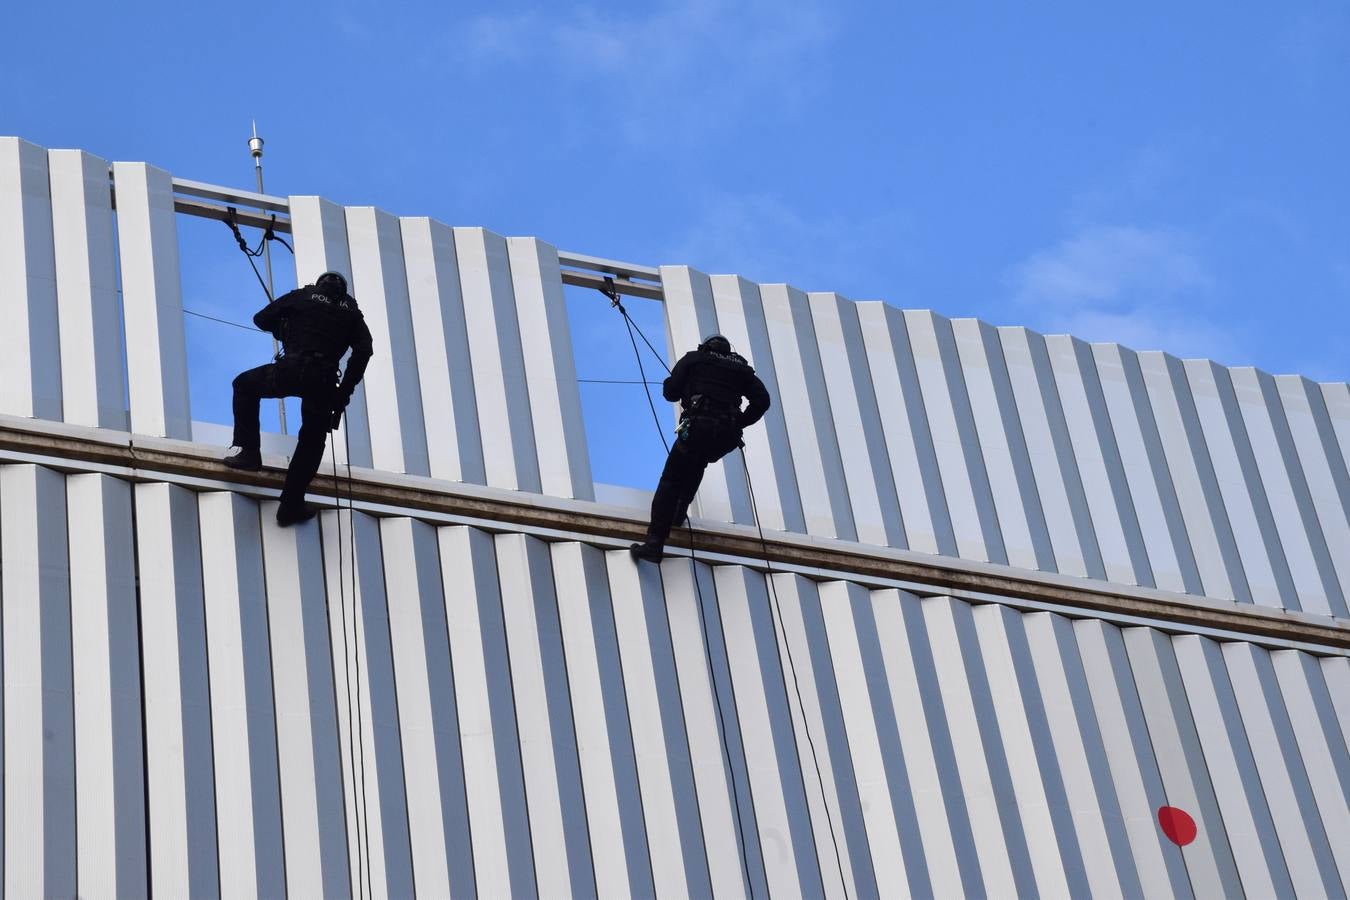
244	384
312	432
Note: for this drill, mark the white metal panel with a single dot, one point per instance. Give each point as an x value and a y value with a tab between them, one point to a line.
1150	485
604	752
548	753
39	722
980	758
1131	763
1012	481
822	743
243	730
1080	759
805	405
768	448
1281	772
964	480
398	441
152	301
906	698
105	655
314	775
1336	396
30	346
1247	823
355	574
1239	482
1124	556
555	396
1323	752
180	781
837	599
914	464
1280	473
716	751
319	228
679	866
1318	453
691	316
493	781
500	387
781	810
437	815
1033	767
853	404
1061	490
1336	670
93	383
454	445
1181	762
1202	508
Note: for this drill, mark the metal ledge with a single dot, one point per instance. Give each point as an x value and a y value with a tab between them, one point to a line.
73	448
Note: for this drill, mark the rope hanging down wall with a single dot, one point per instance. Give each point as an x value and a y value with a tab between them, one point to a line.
780	631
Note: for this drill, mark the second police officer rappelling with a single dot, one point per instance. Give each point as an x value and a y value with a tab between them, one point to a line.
709	383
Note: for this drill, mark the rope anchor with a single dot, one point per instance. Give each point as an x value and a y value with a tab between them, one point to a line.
252	253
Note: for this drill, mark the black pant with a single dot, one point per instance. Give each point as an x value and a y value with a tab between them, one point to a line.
702	441
314	381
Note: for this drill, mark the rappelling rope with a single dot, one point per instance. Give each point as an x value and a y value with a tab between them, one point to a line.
354	735
775	610
252	253
632	326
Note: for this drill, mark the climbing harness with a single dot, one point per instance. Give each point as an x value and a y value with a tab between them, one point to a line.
611	291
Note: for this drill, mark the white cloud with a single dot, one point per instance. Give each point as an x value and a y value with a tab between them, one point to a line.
681	68
1144	288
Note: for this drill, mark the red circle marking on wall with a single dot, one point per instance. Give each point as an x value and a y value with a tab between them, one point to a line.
1177	824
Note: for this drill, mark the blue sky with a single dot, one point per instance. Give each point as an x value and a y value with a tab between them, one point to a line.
1169	175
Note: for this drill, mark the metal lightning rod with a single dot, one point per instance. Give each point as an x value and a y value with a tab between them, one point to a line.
255	147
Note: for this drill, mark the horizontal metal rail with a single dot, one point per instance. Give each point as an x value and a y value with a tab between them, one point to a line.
76	448
222	213
627	278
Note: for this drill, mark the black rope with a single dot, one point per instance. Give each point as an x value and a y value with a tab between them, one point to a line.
611	380
775	611
613	296
355	735
776	614
193	312
360	716
252	253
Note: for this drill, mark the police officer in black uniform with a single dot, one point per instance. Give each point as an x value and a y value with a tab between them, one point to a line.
709	383
315	324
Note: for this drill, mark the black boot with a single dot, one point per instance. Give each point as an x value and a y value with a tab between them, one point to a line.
244	460
287	516
648	550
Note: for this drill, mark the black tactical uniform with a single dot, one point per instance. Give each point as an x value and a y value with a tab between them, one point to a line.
315	324
709	383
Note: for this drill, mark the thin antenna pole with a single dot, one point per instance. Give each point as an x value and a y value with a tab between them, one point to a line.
255	147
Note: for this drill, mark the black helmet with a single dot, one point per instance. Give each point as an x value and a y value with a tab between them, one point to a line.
716	343
334	279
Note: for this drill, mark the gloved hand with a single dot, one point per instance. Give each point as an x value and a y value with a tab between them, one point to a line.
339	407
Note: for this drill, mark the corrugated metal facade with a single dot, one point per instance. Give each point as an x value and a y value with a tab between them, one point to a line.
548	717
197	703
